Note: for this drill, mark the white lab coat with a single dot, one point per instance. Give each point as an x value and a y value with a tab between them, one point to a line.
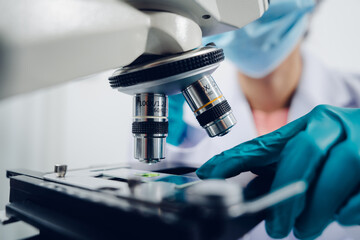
318	85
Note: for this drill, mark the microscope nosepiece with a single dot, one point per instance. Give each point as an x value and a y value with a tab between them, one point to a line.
151	78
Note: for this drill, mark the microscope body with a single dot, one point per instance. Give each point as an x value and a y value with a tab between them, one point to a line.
156	42
45	43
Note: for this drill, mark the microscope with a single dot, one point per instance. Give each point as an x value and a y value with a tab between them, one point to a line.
157	44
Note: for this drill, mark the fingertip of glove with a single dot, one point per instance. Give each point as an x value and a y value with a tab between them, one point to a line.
275	232
305	235
349	215
346	219
276	227
205	171
202	173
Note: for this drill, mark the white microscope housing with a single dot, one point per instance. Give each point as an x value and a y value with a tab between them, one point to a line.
156	44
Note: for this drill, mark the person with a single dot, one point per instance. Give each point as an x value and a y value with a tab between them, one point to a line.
277	90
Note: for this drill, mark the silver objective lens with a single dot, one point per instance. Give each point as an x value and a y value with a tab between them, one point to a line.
210	107
150	127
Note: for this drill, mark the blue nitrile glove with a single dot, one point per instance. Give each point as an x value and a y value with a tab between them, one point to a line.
177	127
323	149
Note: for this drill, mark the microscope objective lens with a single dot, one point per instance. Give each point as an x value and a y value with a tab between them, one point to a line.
150	127
210	107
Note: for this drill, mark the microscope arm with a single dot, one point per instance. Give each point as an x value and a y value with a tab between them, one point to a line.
44	43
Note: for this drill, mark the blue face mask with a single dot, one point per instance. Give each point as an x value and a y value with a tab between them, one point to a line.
261	46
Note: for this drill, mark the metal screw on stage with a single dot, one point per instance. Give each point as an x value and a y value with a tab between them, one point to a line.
60	169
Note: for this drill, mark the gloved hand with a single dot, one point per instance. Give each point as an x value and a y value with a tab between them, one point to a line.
177	127
323	149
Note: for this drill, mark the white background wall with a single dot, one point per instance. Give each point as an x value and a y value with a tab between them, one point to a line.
87	123
335	34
